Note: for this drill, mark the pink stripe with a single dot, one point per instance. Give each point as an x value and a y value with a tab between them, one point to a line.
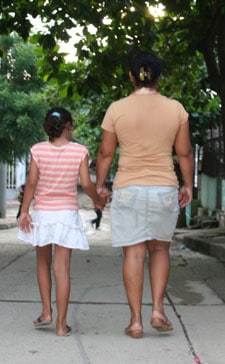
59	174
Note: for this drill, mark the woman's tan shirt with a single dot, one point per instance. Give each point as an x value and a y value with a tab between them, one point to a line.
146	127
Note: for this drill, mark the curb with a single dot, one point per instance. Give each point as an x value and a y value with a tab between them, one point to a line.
206	246
7	224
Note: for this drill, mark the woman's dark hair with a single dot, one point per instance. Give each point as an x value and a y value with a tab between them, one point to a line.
56	120
146	69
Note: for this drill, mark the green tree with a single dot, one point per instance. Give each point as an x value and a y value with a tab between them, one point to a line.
189	38
22	106
198	27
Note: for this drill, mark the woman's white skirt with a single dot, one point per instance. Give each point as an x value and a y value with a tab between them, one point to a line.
143	213
61	227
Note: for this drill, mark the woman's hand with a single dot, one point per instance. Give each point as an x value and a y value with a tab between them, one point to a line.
185	196
104	192
24	222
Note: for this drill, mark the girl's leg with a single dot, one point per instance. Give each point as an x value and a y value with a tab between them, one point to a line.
44	261
61	268
133	276
159	268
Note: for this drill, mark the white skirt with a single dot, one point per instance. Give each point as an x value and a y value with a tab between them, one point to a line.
61	227
142	213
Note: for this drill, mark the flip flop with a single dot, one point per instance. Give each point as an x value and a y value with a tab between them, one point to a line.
161	323
39	322
134	333
68	331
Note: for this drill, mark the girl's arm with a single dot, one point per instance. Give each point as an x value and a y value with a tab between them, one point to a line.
32	178
88	186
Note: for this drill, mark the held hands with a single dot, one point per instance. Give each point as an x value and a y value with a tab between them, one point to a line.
105	197
24	222
185	196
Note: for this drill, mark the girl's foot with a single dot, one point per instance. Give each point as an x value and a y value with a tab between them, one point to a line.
66	332
43	320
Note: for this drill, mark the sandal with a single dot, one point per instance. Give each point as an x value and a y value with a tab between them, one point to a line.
39	322
68	331
134	333
161	322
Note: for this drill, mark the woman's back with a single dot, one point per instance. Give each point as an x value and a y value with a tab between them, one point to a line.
146	126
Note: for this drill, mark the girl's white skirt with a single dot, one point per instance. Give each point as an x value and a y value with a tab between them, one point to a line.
61	227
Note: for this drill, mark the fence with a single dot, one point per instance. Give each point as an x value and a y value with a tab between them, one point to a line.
11	176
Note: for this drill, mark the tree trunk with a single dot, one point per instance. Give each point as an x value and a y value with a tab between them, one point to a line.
2	190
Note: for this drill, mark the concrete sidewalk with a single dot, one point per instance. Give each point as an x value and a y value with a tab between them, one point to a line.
98	309
98	313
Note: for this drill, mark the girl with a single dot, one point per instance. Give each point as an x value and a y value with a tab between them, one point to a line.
55	168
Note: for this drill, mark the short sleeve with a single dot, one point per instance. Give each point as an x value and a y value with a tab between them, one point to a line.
108	121
85	153
34	155
182	114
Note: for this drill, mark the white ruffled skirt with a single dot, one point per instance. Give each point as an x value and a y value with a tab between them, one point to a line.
61	227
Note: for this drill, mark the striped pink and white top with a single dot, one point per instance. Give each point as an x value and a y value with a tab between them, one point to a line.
58	175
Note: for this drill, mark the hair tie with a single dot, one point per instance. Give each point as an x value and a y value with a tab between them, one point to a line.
56	113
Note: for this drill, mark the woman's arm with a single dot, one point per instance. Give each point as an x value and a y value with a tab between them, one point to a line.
184	152
106	153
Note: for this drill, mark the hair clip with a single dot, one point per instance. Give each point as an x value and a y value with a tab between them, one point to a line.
56	113
143	75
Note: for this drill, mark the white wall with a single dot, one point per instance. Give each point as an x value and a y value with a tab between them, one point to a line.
20	173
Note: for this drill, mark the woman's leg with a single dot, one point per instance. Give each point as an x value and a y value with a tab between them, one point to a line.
44	261
159	268
61	268
133	276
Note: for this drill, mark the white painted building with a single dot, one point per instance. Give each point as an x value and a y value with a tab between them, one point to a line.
16	177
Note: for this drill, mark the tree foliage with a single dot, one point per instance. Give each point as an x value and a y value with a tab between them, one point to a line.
22	106
199	28
190	39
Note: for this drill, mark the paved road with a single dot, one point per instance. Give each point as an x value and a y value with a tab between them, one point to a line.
98	310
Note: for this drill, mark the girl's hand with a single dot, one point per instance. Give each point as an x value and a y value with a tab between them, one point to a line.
103	200
24	222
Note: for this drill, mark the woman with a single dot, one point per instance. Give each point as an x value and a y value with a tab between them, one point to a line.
145	204
55	168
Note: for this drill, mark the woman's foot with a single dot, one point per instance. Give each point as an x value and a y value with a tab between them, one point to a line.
160	322
135	331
